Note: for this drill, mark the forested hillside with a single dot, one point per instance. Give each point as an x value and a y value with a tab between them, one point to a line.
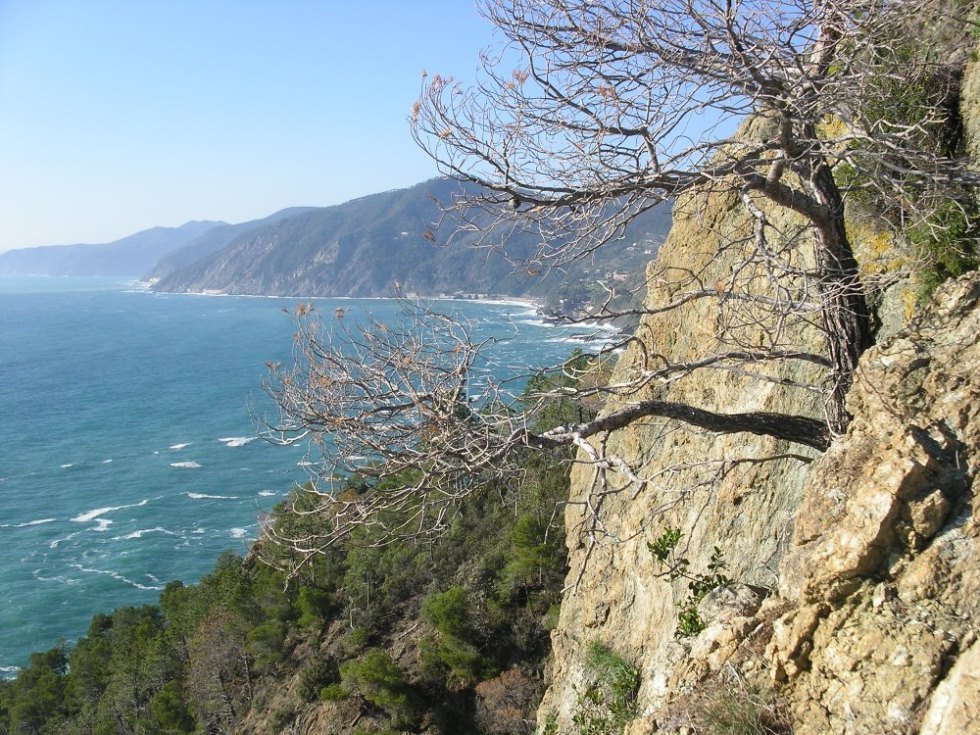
393	242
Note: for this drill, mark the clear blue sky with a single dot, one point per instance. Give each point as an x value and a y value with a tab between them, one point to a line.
118	115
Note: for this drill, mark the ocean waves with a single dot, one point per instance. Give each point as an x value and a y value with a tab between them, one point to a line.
28	524
92	515
118	577
130	453
237	441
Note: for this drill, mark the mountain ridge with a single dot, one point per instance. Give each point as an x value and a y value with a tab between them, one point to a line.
381	244
129	256
378	245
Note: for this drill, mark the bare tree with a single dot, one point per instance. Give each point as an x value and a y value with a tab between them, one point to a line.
588	115
397	403
591	113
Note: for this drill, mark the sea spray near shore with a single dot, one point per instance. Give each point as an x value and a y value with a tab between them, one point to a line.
92	371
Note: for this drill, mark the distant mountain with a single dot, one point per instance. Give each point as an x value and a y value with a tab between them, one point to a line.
365	246
213	240
129	257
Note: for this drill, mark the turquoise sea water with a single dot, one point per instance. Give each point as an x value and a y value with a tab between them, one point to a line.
128	450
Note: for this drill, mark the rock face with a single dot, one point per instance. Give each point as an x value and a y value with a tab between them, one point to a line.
856	589
855	599
739	492
884	564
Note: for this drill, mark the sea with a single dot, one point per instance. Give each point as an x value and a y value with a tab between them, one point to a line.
131	450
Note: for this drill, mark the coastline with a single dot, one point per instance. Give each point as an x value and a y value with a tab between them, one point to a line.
491	299
532	305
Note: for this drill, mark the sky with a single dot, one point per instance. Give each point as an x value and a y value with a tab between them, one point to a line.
120	115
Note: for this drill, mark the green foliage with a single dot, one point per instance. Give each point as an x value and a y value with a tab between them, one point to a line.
171	711
665	543
550	621
550	724
333	693
378	579
941	221
448	612
281	718
319	672
314	606
382	682
689	621
608	702
533	556
265	642
947	242
35	700
358	638
455	652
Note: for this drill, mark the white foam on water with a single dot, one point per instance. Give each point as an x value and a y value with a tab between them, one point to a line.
205	496
91	515
107	461
102	524
267	493
185	465
198	531
116	576
57	578
237	441
66	466
142	532
534	322
175	447
69	537
304	463
38	522
238	533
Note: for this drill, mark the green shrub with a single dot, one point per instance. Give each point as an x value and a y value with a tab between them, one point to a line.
448	612
281	718
266	640
170	710
947	244
321	671
333	693
550	621
689	621
608	702
378	678
313	605
455	652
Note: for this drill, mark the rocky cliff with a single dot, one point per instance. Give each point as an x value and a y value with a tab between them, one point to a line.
854	576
